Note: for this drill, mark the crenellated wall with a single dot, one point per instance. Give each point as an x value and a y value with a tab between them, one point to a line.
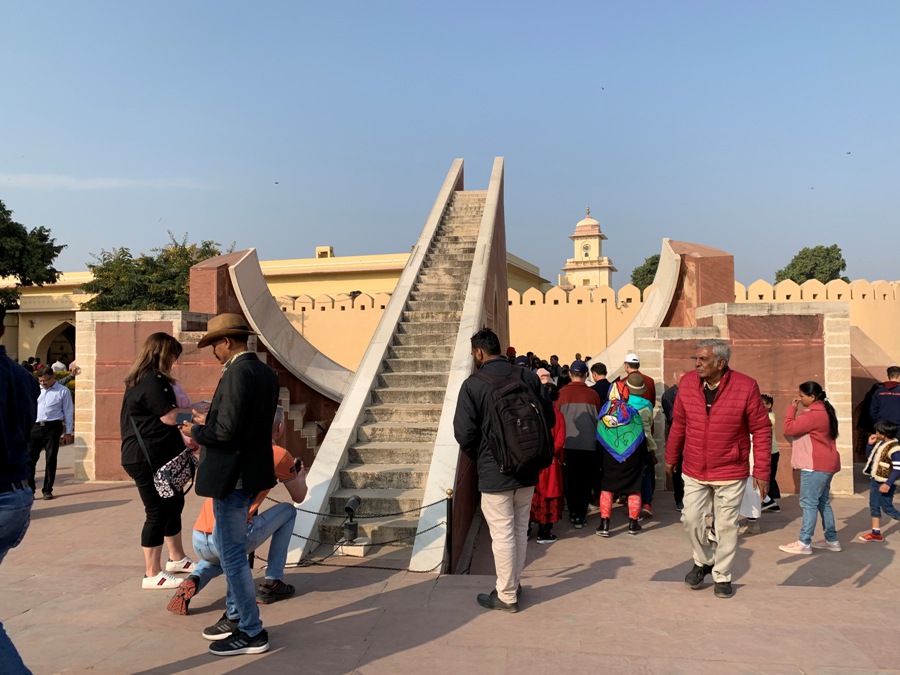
584	320
874	306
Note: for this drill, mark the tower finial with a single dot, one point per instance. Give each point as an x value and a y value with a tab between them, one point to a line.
589	211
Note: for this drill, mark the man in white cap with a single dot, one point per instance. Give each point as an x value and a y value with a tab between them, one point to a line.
633	365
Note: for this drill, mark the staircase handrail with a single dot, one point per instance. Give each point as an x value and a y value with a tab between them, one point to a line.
324	475
429	549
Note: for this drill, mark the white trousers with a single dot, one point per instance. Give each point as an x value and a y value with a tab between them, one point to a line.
506	514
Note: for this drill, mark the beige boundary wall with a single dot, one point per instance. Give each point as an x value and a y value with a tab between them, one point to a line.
587	320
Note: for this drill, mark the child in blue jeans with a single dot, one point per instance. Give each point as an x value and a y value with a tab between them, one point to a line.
883	465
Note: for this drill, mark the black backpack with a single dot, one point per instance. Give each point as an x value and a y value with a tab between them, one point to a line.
517	431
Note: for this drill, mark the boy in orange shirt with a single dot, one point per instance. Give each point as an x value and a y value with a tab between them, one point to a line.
276	522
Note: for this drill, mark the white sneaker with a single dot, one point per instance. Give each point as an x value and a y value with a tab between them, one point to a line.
163	580
183	566
797	547
826	545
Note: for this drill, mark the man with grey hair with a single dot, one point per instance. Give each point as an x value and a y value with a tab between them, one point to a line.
716	411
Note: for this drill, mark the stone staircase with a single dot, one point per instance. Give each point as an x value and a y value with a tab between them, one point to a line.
389	462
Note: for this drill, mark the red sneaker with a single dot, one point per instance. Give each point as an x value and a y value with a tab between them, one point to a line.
647	510
871	536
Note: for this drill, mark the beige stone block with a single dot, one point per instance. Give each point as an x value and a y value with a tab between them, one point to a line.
833	350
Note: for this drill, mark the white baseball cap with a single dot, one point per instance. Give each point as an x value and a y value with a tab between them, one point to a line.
632	358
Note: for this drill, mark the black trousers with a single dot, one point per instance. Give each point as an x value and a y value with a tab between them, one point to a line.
774	491
162	516
678	483
582	466
45	438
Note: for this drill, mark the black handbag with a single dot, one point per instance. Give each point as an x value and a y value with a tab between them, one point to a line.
171	477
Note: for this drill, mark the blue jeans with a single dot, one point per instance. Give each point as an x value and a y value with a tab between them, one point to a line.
815	498
15	516
879	502
276	522
230	535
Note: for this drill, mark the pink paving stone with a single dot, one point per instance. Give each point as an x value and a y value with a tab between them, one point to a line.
76	577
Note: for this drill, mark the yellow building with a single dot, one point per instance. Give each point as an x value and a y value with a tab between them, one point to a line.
43	326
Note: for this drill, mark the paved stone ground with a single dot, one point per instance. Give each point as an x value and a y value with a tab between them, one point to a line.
70	597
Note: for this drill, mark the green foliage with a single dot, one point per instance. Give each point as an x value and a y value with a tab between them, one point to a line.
26	255
148	282
824	263
642	275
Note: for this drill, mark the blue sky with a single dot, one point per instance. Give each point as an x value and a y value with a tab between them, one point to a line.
288	125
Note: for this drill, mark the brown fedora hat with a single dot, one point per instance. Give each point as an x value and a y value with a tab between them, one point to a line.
224	325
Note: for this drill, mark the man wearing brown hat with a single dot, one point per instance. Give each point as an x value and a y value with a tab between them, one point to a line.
236	463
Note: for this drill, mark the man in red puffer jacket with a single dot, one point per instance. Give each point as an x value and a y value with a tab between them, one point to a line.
716	411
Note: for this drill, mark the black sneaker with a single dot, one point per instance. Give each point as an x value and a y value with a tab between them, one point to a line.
771	506
241	643
491	601
546	538
634	526
695	577
724	589
221	629
273	591
578	523
603	530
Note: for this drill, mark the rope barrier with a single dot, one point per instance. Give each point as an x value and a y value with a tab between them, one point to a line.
366	516
309	562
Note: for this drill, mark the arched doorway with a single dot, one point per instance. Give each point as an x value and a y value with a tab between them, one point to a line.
59	343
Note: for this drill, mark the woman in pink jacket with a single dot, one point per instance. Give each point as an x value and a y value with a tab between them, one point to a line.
814	452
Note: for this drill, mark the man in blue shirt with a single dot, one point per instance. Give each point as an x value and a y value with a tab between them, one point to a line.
55	414
18	410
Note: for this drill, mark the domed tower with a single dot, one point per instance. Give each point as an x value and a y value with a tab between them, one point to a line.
588	267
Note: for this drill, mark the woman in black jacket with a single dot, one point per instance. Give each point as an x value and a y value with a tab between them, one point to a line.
150	405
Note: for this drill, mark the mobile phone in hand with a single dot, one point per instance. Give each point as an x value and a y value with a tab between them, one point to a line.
184	418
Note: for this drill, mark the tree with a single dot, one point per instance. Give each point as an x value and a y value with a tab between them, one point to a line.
642	275
148	282
824	263
25	255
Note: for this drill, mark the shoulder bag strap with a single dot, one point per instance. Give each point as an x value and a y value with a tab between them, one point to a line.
141	442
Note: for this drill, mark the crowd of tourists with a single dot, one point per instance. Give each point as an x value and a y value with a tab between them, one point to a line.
720	455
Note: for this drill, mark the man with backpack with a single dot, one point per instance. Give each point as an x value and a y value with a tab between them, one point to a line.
503	423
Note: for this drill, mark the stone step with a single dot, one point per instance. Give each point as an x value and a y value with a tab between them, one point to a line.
387	557
419	351
426	380
464	253
391	453
396	432
444	277
379	530
432	365
447	259
422	293
445	317
411	395
455	239
384	476
378	502
434	305
427	328
444	340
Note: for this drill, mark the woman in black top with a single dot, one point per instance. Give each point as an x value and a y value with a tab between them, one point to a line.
150	402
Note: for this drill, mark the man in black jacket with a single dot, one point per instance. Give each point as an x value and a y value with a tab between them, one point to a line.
505	500
236	463
18	411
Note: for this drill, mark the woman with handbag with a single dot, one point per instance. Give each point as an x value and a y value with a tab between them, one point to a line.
150	439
